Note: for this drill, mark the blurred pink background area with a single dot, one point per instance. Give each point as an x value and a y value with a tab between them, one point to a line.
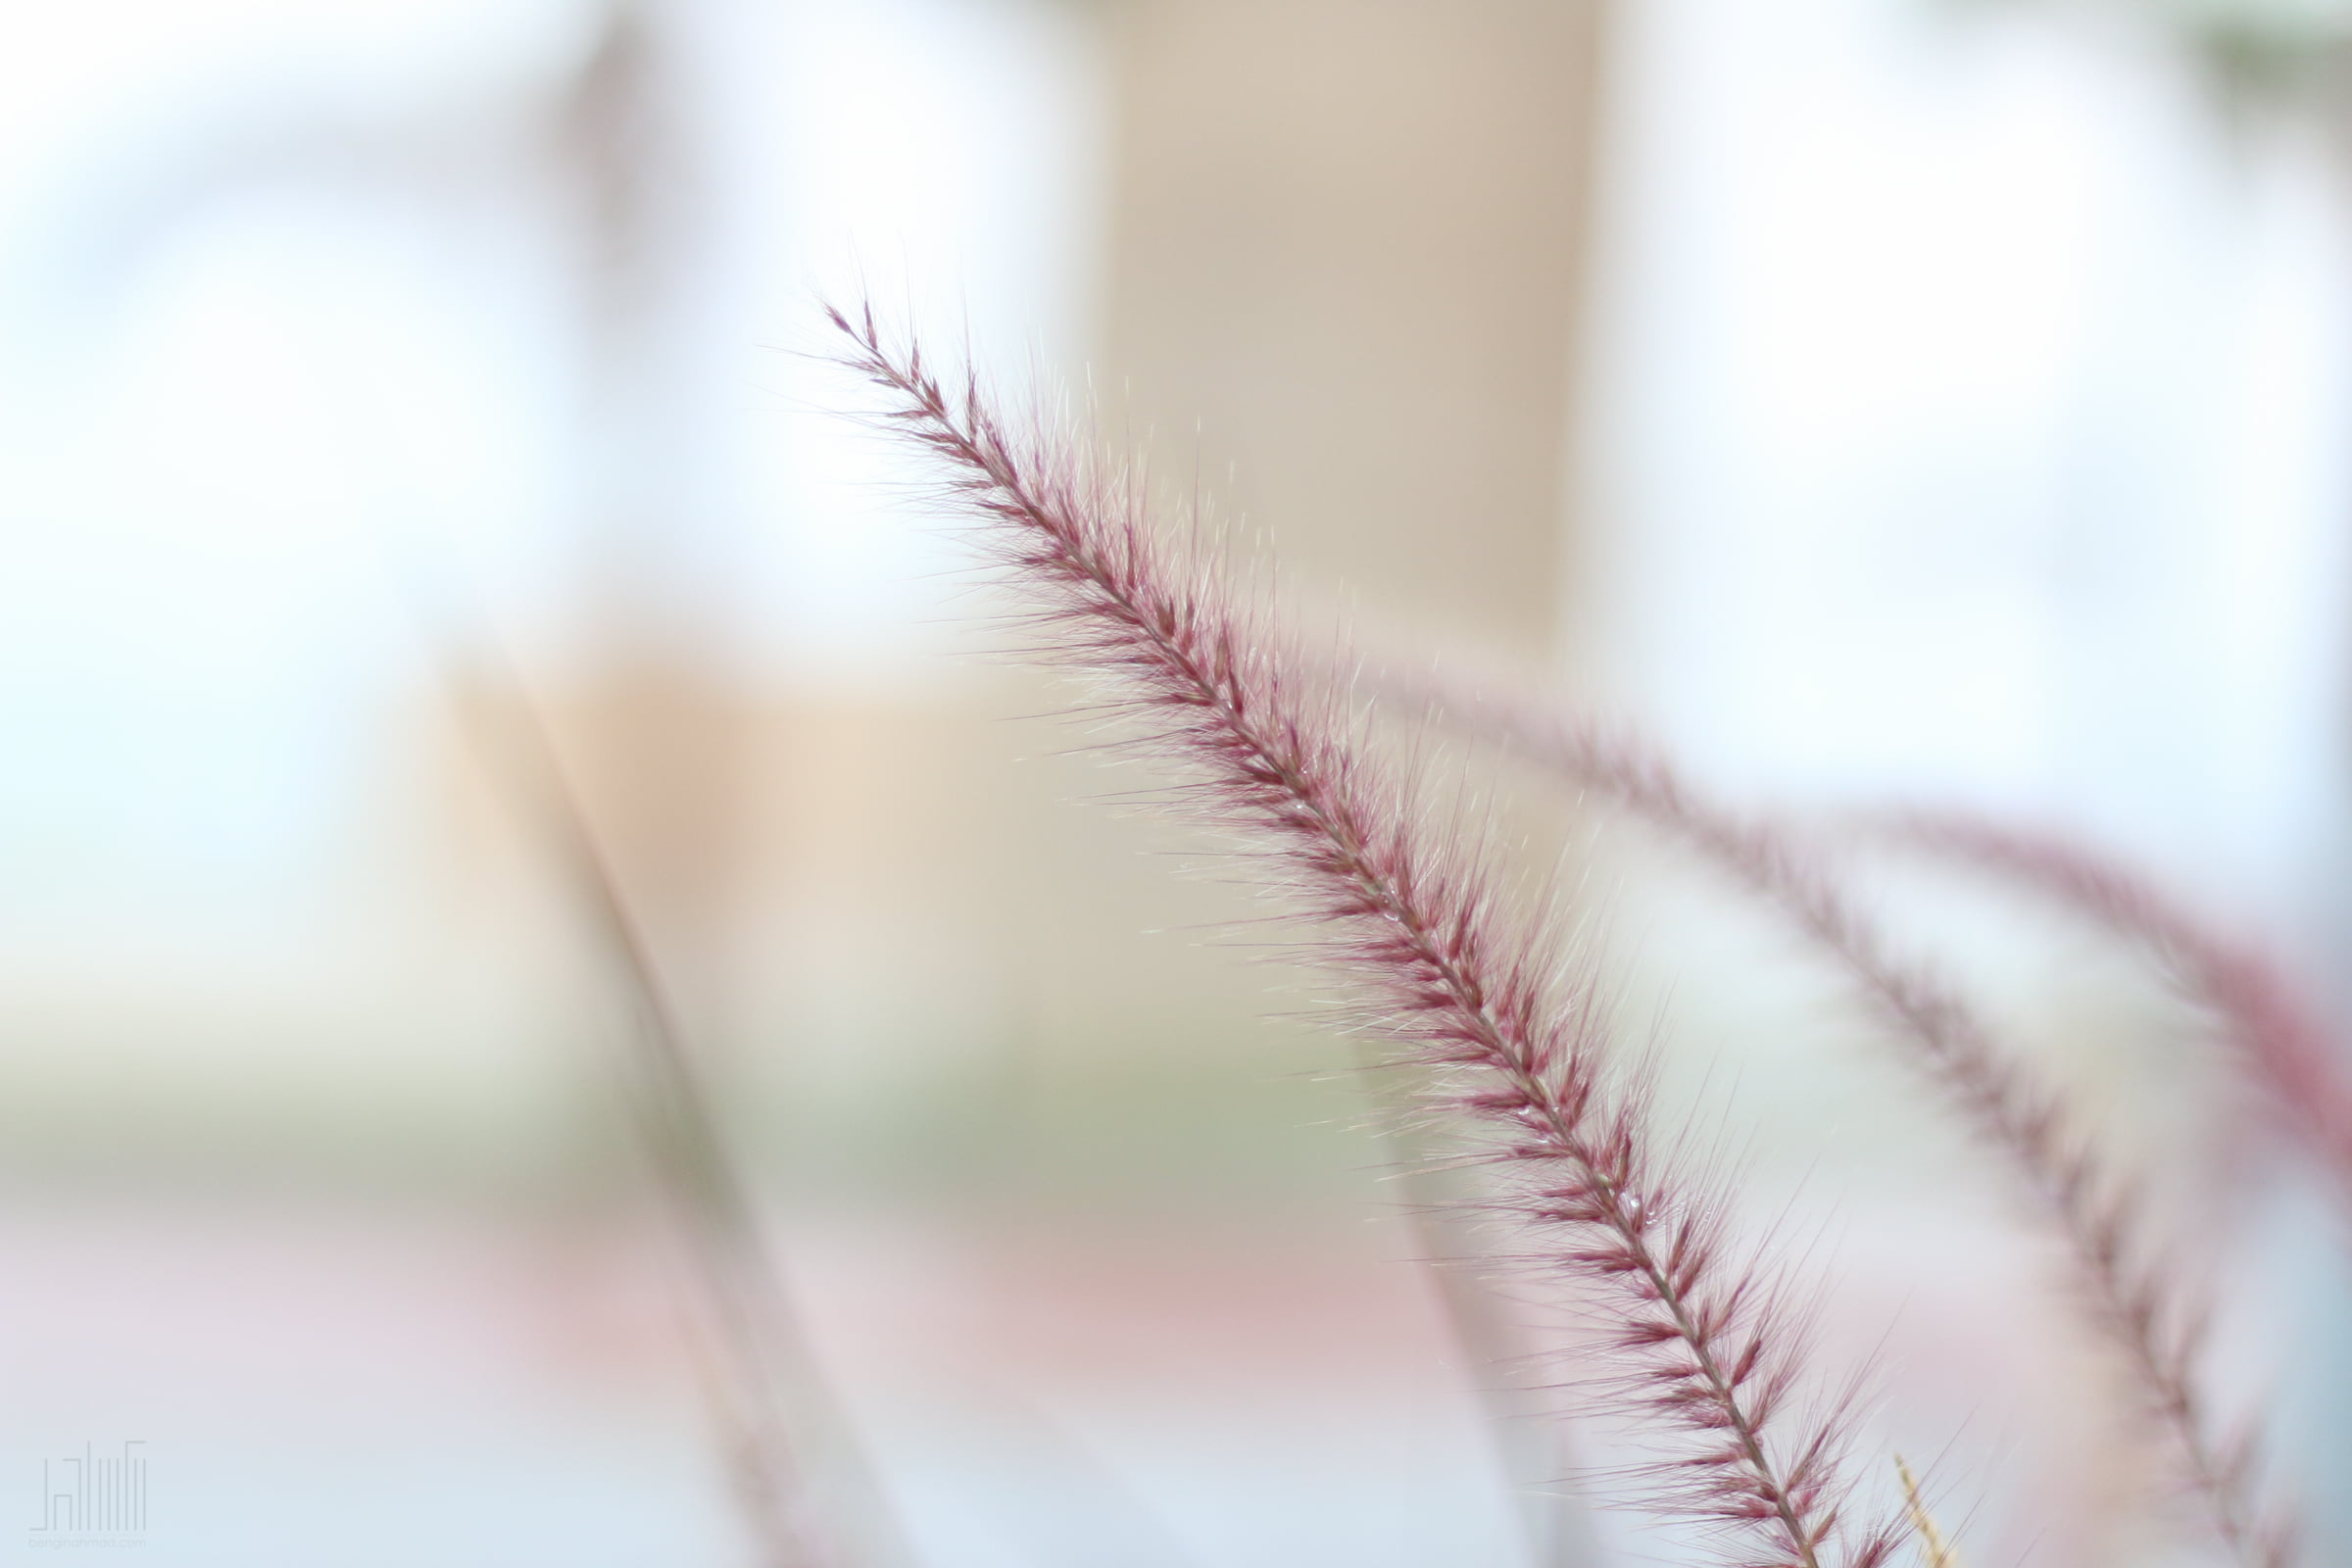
1876	400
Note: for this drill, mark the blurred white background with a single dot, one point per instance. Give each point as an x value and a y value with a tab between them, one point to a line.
1876	398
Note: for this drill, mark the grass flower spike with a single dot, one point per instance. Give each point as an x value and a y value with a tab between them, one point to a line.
2279	1042
1706	1358
2095	1209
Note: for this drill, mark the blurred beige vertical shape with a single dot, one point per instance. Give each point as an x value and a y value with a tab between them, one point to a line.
1349	241
1347	246
1347	262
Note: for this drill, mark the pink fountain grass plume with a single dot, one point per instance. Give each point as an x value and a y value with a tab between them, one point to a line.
2280	1041
2135	1303
1413	920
